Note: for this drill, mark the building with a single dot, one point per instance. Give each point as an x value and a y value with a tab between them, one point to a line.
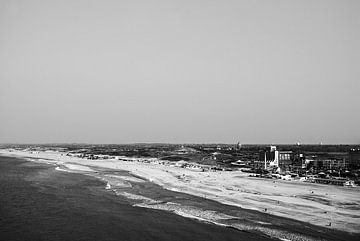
326	164
286	159
268	158
331	164
354	158
299	161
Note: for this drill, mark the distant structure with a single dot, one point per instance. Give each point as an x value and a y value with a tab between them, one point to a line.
319	164
268	158
272	158
354	158
238	146
280	161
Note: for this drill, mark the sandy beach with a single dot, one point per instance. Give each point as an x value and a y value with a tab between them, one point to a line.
323	205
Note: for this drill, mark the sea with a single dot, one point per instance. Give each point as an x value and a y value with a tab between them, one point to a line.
39	202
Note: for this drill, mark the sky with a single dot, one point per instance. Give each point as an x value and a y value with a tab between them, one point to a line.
200	71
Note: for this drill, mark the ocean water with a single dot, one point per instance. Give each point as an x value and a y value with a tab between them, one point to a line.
40	202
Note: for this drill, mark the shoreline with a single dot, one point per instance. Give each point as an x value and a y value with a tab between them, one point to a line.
40	203
311	203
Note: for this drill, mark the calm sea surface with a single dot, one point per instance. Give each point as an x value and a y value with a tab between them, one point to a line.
39	203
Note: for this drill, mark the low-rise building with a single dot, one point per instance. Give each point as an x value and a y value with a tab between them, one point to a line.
286	159
326	164
354	158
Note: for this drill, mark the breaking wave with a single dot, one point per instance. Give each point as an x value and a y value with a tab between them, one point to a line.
118	184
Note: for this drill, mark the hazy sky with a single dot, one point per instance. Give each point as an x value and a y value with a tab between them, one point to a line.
181	71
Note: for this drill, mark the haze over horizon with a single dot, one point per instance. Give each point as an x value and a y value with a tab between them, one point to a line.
271	71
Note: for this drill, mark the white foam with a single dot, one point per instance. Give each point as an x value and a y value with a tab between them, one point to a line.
61	169
126	178
77	167
146	200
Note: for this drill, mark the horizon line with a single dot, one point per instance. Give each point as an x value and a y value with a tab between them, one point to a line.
177	143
